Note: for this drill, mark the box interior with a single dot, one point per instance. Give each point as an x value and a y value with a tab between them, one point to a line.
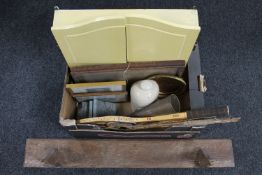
191	99
68	107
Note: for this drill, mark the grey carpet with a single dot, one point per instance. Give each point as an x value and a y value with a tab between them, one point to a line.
32	71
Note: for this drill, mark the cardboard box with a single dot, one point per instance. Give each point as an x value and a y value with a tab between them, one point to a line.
95	37
193	99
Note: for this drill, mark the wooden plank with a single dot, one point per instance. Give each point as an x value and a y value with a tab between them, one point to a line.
133	65
181	116
111	86
178	117
71	153
106	96
128	71
188	123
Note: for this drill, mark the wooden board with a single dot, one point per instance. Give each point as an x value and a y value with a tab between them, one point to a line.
129	66
94	87
106	96
128	71
71	153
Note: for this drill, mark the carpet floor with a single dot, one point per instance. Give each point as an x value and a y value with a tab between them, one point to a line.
33	71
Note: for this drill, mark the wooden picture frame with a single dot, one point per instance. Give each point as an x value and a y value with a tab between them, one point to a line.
96	87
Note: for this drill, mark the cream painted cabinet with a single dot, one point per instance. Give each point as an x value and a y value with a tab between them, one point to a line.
98	41
150	39
89	37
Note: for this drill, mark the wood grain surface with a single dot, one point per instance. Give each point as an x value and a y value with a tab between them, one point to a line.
75	153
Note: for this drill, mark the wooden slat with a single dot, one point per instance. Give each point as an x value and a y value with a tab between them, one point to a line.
69	153
131	65
182	116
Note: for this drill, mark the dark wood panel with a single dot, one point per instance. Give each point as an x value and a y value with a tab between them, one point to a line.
128	71
132	65
68	153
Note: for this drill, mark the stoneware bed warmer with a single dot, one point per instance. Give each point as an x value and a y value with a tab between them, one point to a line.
143	93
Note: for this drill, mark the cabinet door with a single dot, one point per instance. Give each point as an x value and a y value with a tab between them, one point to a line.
150	39
100	41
